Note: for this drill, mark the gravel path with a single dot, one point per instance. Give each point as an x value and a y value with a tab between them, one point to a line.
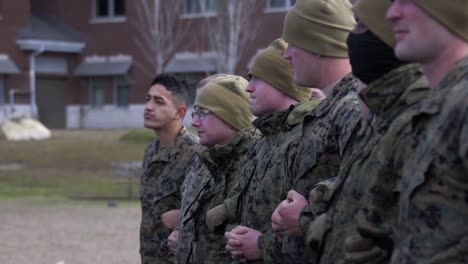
34	232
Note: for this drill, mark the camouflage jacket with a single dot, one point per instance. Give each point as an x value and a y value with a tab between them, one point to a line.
164	170
209	179
326	131
433	205
364	189
266	178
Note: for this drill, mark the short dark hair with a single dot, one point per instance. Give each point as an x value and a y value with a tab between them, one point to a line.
179	88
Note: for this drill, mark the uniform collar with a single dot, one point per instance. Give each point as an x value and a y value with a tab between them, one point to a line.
241	142
283	121
402	86
436	96
272	123
167	152
335	92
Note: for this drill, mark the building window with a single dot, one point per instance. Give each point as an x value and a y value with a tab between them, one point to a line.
121	91
200	7
97	92
1	9
108	11
279	5
51	65
2	91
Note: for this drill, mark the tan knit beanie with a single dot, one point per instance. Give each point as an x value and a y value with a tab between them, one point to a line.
320	26
452	14
372	13
270	66
225	96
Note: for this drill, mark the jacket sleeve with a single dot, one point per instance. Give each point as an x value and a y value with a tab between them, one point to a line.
345	122
463	150
231	203
270	247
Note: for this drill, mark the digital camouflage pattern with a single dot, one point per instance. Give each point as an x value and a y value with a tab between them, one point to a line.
164	169
326	132
433	204
266	178
364	194
209	179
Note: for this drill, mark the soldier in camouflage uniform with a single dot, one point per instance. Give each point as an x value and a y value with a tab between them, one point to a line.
212	175
327	129
364	198
433	190
164	165
274	98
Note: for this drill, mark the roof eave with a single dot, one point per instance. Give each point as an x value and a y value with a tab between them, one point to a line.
50	45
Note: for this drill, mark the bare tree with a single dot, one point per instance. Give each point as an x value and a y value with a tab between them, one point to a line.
160	32
233	28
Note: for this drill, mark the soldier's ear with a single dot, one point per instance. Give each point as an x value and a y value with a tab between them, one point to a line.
180	113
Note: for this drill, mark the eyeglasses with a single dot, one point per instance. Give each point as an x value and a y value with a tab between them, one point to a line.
201	113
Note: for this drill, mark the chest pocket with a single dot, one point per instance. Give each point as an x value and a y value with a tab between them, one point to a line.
194	198
157	183
418	160
195	202
306	159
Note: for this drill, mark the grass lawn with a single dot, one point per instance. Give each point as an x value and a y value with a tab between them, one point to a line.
73	164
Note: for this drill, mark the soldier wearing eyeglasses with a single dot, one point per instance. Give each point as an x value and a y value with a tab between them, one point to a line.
223	122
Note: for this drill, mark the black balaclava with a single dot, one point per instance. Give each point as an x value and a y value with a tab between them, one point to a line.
370	57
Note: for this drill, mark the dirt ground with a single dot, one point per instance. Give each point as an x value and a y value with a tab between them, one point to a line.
44	232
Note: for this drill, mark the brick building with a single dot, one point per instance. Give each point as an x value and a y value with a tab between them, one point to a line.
85	64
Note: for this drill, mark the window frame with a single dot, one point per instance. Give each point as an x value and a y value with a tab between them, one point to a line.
1	10
92	98
269	9
120	81
203	10
112	17
2	90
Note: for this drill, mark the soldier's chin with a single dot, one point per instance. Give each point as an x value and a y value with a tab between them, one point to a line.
149	125
204	141
255	110
201	140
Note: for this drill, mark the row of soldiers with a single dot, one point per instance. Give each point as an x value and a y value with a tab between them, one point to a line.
369	166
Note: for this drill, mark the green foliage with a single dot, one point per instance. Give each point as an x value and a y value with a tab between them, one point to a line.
138	136
73	163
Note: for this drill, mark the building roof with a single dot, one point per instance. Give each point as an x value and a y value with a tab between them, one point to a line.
46	28
7	66
193	62
104	66
49	34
